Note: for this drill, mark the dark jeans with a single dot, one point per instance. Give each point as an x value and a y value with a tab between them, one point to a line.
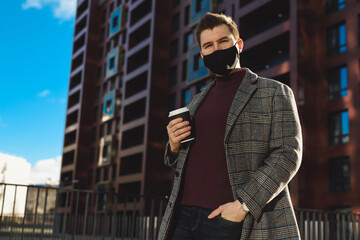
194	224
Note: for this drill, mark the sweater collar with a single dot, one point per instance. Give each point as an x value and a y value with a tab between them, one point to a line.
236	76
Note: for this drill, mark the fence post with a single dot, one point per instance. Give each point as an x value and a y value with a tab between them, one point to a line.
3	203
86	213
95	213
36	208
114	219
13	213
44	214
65	213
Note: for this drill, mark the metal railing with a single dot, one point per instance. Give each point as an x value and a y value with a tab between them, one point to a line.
35	212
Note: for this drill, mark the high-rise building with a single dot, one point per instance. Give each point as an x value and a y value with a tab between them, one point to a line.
135	60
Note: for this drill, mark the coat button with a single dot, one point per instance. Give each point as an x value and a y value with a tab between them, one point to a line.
177	174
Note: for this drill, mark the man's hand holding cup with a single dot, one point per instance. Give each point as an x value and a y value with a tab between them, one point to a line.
179	129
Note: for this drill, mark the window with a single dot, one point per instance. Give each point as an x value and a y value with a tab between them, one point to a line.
103	16
174	49
336	39
200	4
97	175
172	76
337	80
109	127
97	94
117	125
339	127
111	7
115	21
92	155
116	41
131	164
186	97
132	137
184	70
171	102
93	137
104	88
175	3
95	114
188	41
101	50
102	34
135	110
123	39
186	15
99	74
113	174
108	45
339	174
112	84
198	62
106	173
112	63
334	5
101	133
90	176
175	23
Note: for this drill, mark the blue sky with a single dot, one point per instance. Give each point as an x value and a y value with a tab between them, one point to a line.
35	53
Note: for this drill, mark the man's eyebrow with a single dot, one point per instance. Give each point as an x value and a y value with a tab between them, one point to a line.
220	39
206	44
223	38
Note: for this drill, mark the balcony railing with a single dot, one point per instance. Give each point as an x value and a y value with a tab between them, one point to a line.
36	212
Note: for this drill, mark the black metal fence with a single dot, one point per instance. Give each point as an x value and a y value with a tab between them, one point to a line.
35	212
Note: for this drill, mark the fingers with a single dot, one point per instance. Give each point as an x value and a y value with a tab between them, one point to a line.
176	124
178	129
216	212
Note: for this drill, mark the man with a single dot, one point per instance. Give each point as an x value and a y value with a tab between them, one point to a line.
231	182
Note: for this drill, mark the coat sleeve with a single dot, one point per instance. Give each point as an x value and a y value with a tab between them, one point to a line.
169	159
284	158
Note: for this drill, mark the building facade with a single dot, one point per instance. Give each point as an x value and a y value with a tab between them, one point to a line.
135	60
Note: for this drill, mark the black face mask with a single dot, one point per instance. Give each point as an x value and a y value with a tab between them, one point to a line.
222	62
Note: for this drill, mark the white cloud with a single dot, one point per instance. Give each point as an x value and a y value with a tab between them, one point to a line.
14	169
46	171
18	170
43	93
31	4
65	10
62	9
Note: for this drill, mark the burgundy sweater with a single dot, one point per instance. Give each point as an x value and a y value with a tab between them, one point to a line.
207	182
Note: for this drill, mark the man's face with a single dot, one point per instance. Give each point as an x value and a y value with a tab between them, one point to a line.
218	38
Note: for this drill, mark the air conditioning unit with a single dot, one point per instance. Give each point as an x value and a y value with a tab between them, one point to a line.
108	147
112	102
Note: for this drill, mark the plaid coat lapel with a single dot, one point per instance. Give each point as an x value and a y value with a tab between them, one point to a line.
242	96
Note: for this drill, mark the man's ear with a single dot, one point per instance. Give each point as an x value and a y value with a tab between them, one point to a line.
202	56
240	44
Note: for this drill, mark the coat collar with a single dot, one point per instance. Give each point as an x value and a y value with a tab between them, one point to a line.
242	96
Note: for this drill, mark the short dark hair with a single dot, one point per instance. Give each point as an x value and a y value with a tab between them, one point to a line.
211	20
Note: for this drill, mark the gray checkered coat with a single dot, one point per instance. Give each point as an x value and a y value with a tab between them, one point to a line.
263	146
